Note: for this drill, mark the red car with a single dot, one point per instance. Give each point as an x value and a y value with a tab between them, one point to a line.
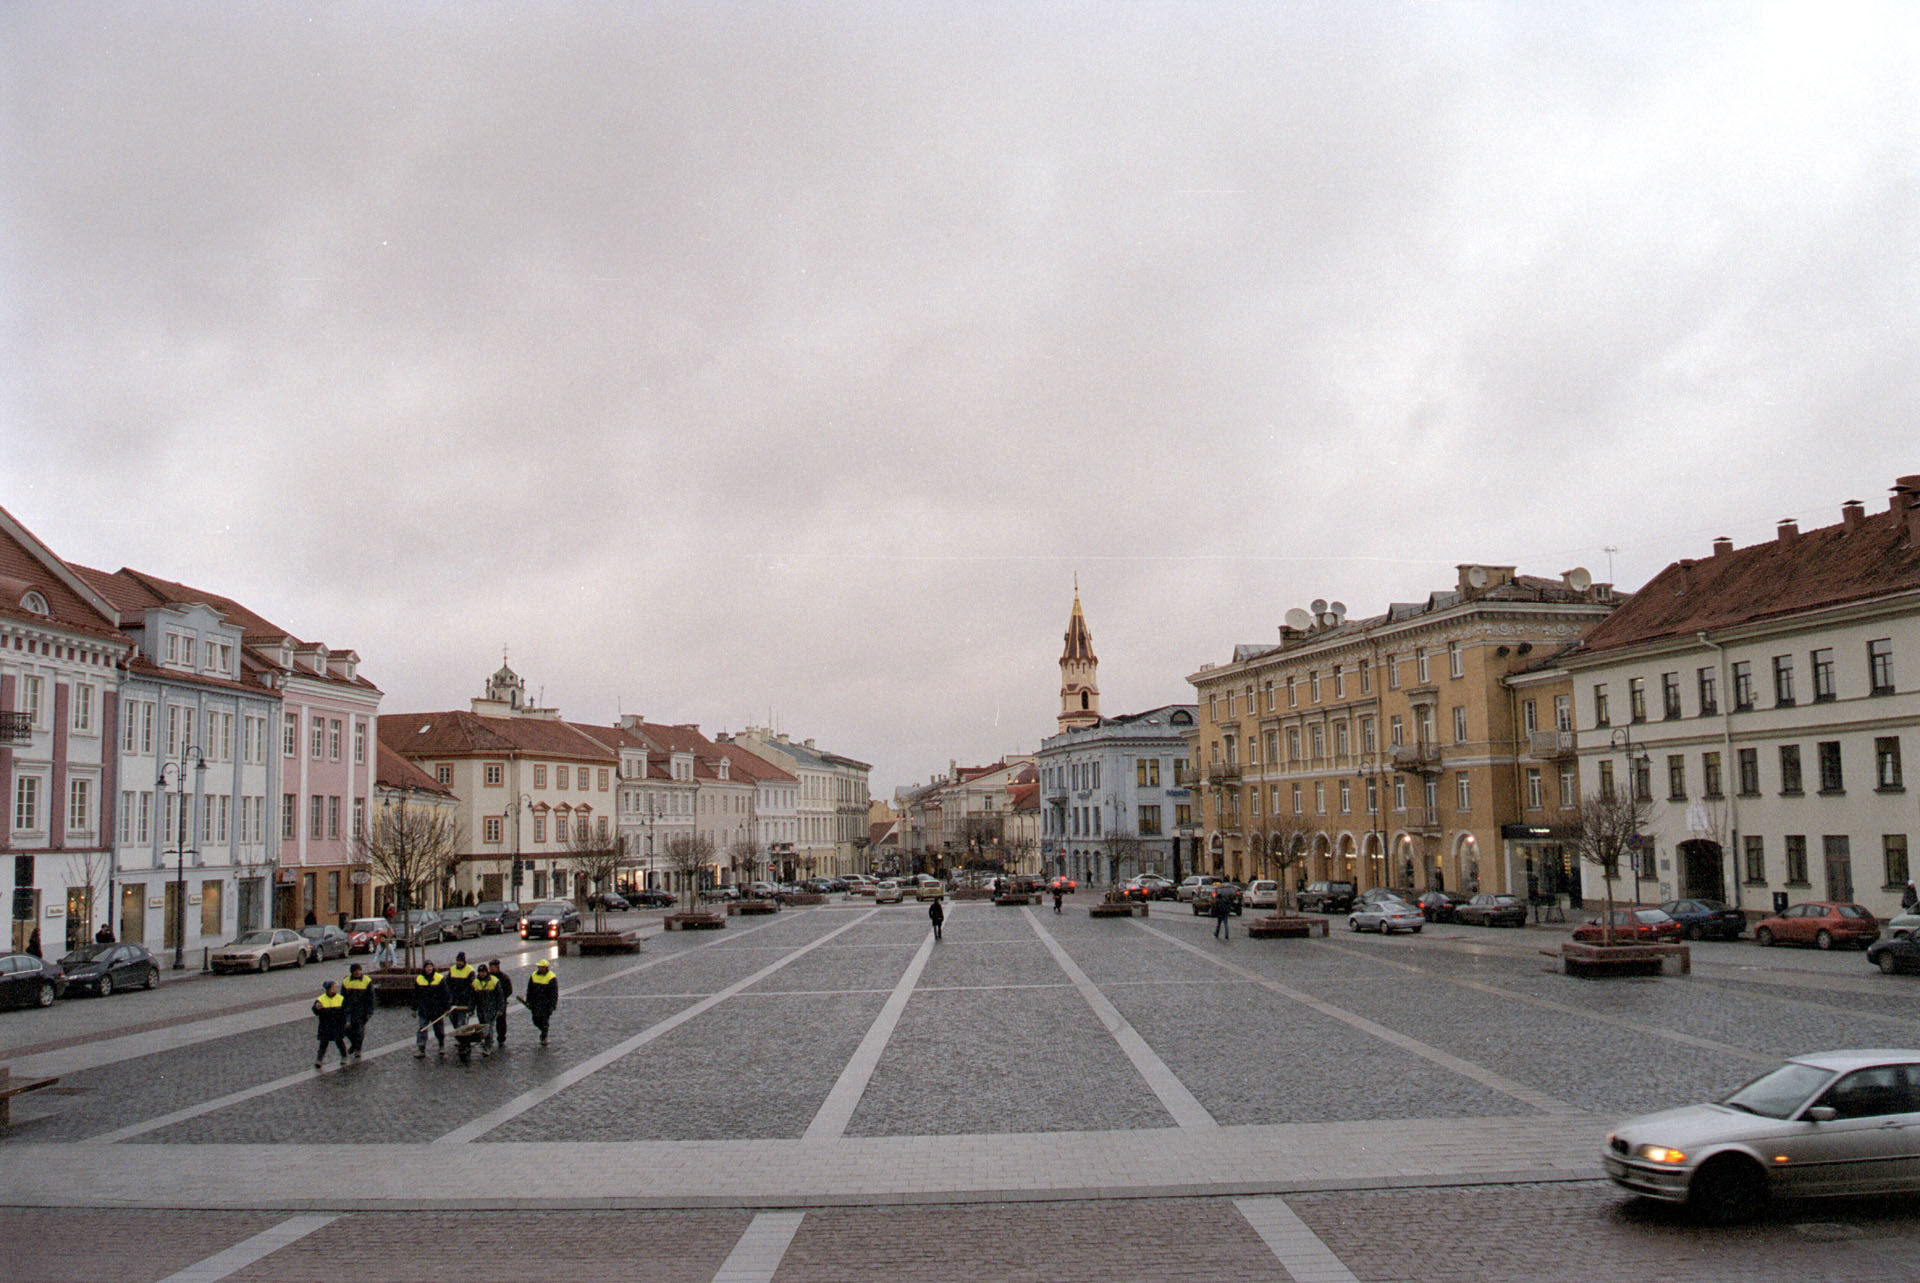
364	935
1063	884
1634	924
1821	923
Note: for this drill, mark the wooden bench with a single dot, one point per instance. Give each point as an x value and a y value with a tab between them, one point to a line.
746	908
694	921
11	1087
1597	960
1022	898
1279	928
585	942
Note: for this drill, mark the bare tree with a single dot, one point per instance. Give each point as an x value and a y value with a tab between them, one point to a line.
689	854
1125	851
94	867
409	848
1020	852
595	856
1288	839
1607	830
742	857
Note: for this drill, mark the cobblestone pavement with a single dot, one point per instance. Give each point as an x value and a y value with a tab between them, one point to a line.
827	1095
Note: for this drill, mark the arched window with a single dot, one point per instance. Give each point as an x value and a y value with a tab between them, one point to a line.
34	603
1083	699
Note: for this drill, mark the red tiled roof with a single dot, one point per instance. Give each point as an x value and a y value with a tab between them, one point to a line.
390	770
1818	568
753	767
1026	797
462	734
24	565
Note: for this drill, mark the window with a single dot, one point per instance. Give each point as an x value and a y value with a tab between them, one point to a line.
1463	791
1146	770
256	740
1756	860
1293	694
1637	699
1832	779
1183	814
1536	793
1893	851
1456	662
1529	716
1822	661
1273	748
1742	686
1339	682
290	735
1366	681
1747	763
490	830
1709	692
1296	799
1710	782
1600	716
583	778
443	773
1396	731
494	774
1393	672
1320	796
26	804
540	826
1606	781
1676	778
1886	764
1563	712
1149	821
288	813
603	777
1783	680
562	777
79	807
177	729
1790	769
316	816
1459	725
1569	787
136	736
333	817
333	739
359	743
1433	800
179	649
1643	779
1319	737
540	776
1796	859
1420	664
1399	792
1340	738
82	700
1670	695
1346	797
1880	666
1313	684
317	740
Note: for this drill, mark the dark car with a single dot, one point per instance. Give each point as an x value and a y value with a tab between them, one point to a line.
462	923
610	901
1820	923
653	899
549	920
497	916
1440	906
1489	909
327	942
1902	953
1326	897
26	981
1706	919
1232	892
102	968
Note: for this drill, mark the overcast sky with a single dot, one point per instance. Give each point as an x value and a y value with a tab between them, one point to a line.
736	362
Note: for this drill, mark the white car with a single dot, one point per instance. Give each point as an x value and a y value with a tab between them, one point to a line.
928	887
1263	894
888	892
1834	1122
1903	926
859	884
1191	887
1384	916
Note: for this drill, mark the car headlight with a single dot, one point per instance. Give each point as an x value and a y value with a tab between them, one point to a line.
1660	1154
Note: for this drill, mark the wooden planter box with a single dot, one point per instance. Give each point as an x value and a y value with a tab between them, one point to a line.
1276	927
747	908
1118	909
586	942
806	898
392	988
695	921
1016	899
1598	961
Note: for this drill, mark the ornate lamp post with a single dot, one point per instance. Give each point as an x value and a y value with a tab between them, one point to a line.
188	753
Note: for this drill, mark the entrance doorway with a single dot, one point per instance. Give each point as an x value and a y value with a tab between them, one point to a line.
1700	873
248	904
170	929
133	912
1839	867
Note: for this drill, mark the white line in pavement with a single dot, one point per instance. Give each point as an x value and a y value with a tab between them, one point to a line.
756	1257
1184	1107
837	1111
520	1104
1301	1253
1426	1051
242	1254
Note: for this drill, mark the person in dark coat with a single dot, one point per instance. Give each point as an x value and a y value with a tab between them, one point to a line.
330	1010
1057	893
938	916
104	935
33	943
506	999
1222	914
460	988
543	995
489	1005
357	989
312	920
430	1007
1909	898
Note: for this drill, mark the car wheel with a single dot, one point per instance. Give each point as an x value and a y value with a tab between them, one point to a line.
153	977
1415	930
1353	924
263	964
1763	938
106	986
1728	1190
1888	963
1824	940
46	995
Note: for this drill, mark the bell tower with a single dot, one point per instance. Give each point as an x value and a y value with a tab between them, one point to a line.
1079	672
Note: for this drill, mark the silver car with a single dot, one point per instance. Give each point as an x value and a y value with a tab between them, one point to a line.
1384	916
1836	1122
259	950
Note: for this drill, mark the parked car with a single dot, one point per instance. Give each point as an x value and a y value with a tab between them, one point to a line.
1830	1123
1385	916
1441	906
461	924
1326	897
1904	925
327	941
102	968
1372	894
1633	924
498	916
549	920
928	887
27	981
1706	919
1820	923
1191	887
1149	886
261	950
887	891
860	884
653	899
1067	886
609	902
418	927
1230	891
1491	909
364	935
1263	893
1898	953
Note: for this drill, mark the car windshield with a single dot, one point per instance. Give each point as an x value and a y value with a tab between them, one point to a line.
552	906
313	933
367	924
87	953
420	915
1708	906
256	937
1851	911
1779	1092
1650	916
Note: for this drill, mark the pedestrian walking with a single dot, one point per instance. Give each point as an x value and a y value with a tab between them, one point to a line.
506	997
1222	909
1909	898
543	995
460	983
331	1011
430	1008
938	916
33	943
357	989
1057	895
489	1004
383	956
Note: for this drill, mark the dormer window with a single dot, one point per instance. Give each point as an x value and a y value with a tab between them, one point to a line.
35	604
179	652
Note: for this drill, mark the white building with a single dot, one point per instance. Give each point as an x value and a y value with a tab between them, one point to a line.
1113	796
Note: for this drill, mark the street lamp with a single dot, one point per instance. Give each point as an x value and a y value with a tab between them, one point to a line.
1373	775
179	768
1622	740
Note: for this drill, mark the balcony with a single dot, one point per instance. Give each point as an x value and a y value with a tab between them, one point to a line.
1223	772
1187	778
1424	821
1550	743
16	728
1420	758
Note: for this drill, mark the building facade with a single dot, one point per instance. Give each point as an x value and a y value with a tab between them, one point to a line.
830	804
1113	796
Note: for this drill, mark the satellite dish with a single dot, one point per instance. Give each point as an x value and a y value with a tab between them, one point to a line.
1477	576
1579	579
1319	606
1339	610
1299	620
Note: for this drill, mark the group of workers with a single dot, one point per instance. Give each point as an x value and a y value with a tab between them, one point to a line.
462	996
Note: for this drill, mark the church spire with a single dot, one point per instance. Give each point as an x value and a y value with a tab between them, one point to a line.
1079	672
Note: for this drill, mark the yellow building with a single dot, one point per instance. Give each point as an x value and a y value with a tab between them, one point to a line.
1395	750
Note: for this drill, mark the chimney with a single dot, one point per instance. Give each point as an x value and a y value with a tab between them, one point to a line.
1722	546
1789	530
1906	501
1852	513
